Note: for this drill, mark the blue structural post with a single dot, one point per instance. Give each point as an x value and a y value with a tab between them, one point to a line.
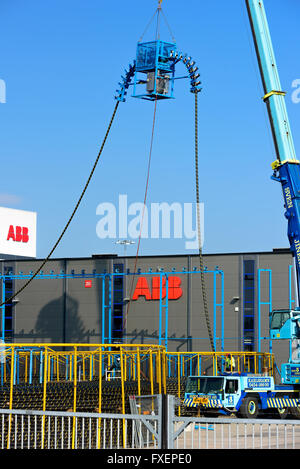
290	287
103	309
215	313
71	368
222	308
160	310
109	311
3	325
3	308
169	368
15	366
41	366
67	368
30	366
260	302
2	366
51	368
18	368
217	305
106	307
167	311
163	306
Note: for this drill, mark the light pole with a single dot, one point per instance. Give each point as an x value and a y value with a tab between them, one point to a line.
125	243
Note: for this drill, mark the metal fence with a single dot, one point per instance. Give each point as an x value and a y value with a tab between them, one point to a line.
230	433
21	429
148	427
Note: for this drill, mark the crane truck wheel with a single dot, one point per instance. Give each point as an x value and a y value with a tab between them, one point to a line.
249	408
295	412
282	413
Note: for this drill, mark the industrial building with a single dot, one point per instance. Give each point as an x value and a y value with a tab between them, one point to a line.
159	303
137	352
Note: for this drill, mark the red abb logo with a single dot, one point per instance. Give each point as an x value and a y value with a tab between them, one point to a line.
142	288
18	233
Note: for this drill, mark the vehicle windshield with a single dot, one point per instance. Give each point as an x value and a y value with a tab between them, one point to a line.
279	318
210	385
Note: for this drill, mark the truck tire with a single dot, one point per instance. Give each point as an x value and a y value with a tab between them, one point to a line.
282	413
249	408
295	412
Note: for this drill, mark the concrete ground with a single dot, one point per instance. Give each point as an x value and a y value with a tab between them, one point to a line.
239	435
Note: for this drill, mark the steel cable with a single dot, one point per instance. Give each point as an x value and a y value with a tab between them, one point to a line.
72	215
142	218
202	278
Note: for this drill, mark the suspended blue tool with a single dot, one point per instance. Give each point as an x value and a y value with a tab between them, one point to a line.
154	62
153	71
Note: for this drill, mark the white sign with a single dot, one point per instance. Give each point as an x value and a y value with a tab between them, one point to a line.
17	232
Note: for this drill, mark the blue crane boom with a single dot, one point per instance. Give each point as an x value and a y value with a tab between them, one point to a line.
274	96
286	166
284	324
247	394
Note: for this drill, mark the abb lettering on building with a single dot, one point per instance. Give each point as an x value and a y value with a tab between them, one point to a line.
18	232
158	289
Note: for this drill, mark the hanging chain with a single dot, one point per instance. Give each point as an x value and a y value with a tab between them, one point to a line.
202	278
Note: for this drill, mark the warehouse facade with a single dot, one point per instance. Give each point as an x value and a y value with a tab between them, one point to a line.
103	298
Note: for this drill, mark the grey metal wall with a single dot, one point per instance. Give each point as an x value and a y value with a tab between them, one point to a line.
66	311
38	313
57	310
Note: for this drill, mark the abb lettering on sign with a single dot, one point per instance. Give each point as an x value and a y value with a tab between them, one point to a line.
18	233
157	290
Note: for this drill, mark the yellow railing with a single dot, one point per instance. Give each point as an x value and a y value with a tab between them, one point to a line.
183	364
140	363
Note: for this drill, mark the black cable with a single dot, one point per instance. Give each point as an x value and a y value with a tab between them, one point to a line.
73	213
204	296
203	288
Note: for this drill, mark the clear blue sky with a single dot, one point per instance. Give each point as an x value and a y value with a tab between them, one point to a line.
61	61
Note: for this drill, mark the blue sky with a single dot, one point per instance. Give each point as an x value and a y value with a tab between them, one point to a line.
61	61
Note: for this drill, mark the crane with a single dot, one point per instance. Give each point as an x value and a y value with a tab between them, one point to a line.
284	324
243	393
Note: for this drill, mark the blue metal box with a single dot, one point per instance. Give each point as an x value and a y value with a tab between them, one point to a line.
154	62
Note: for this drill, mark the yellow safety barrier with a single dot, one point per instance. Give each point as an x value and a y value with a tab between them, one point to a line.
150	367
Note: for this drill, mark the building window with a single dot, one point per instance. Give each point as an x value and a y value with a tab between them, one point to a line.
249	306
117	309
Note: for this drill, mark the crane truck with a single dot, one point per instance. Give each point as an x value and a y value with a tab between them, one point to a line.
248	394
